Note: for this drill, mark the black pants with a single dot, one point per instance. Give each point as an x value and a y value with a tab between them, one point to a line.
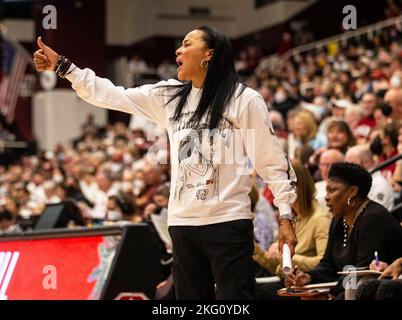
380	290
218	254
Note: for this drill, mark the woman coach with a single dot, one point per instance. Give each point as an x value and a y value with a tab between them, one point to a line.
209	215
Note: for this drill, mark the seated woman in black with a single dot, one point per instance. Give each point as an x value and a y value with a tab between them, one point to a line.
359	228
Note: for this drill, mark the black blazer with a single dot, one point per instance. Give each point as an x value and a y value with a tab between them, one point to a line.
375	230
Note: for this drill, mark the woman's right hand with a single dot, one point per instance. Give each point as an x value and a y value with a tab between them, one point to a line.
298	280
45	58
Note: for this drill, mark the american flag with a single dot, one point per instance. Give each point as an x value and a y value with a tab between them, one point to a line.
12	69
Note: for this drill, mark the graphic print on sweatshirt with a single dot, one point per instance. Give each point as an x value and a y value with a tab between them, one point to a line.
198	170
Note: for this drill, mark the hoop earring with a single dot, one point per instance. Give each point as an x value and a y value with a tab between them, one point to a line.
203	62
349	202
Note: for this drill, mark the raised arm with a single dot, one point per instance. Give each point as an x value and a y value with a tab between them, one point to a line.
146	101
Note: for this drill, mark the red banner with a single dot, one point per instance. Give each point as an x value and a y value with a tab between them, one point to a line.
66	268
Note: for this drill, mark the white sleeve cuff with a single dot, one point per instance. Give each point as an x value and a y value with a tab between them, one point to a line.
284	208
72	73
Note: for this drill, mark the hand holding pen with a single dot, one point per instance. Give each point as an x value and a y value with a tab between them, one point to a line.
297	278
381	266
290	278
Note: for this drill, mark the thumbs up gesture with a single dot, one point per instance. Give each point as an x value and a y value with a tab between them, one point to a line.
45	58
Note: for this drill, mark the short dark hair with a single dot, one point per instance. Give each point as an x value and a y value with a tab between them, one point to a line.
163	191
353	175
125	203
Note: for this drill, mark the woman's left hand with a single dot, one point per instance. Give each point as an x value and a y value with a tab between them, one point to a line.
298	280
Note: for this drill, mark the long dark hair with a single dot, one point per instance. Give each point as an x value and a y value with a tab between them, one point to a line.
305	189
219	85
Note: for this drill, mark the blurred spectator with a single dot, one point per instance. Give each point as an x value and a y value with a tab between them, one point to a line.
303	155
279	126
304	129
340	136
353	116
381	190
153	179
35	187
266	94
264	225
88	184
106	190
339	106
253	57
89	126
241	64
8	222
49	188
136	68
285	43
73	215
156	214
388	146
382	115
368	104
282	102
122	205
301	31
393	97
21	194
327	158
319	107
166	70
74	192
397	177
5	134
392	9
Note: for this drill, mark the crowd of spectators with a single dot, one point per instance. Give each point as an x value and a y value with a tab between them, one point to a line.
329	99
105	173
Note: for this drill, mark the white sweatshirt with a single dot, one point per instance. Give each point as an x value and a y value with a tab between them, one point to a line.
209	179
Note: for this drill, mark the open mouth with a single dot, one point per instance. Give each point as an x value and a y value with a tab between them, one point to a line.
179	63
